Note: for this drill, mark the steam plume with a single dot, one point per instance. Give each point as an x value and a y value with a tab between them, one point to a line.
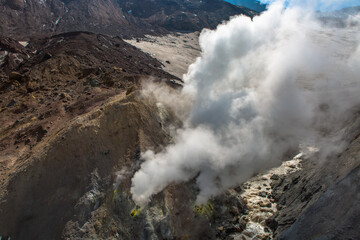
259	89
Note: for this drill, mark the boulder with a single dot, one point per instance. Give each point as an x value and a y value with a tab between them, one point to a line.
15	76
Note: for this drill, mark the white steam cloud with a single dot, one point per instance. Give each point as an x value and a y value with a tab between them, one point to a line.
260	89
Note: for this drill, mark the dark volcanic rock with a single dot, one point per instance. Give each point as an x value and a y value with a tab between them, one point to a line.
182	15
21	19
335	215
12	53
315	192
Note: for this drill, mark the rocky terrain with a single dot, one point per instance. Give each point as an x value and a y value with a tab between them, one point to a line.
63	78
21	19
74	121
322	198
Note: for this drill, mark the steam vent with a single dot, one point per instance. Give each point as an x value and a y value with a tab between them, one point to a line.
179	120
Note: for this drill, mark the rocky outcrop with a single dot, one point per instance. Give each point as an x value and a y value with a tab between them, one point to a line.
12	54
335	215
307	198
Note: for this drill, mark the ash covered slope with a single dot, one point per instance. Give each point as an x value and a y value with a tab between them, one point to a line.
20	19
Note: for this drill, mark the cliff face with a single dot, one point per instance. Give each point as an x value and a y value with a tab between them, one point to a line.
339	205
21	19
321	200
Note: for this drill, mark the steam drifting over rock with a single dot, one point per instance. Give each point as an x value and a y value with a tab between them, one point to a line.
259	90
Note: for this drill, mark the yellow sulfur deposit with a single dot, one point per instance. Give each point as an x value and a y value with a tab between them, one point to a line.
135	211
204	209
114	195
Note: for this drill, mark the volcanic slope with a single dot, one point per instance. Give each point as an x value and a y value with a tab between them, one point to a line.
73	125
44	87
56	79
21	19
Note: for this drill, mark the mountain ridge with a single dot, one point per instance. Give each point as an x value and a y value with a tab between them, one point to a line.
131	18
